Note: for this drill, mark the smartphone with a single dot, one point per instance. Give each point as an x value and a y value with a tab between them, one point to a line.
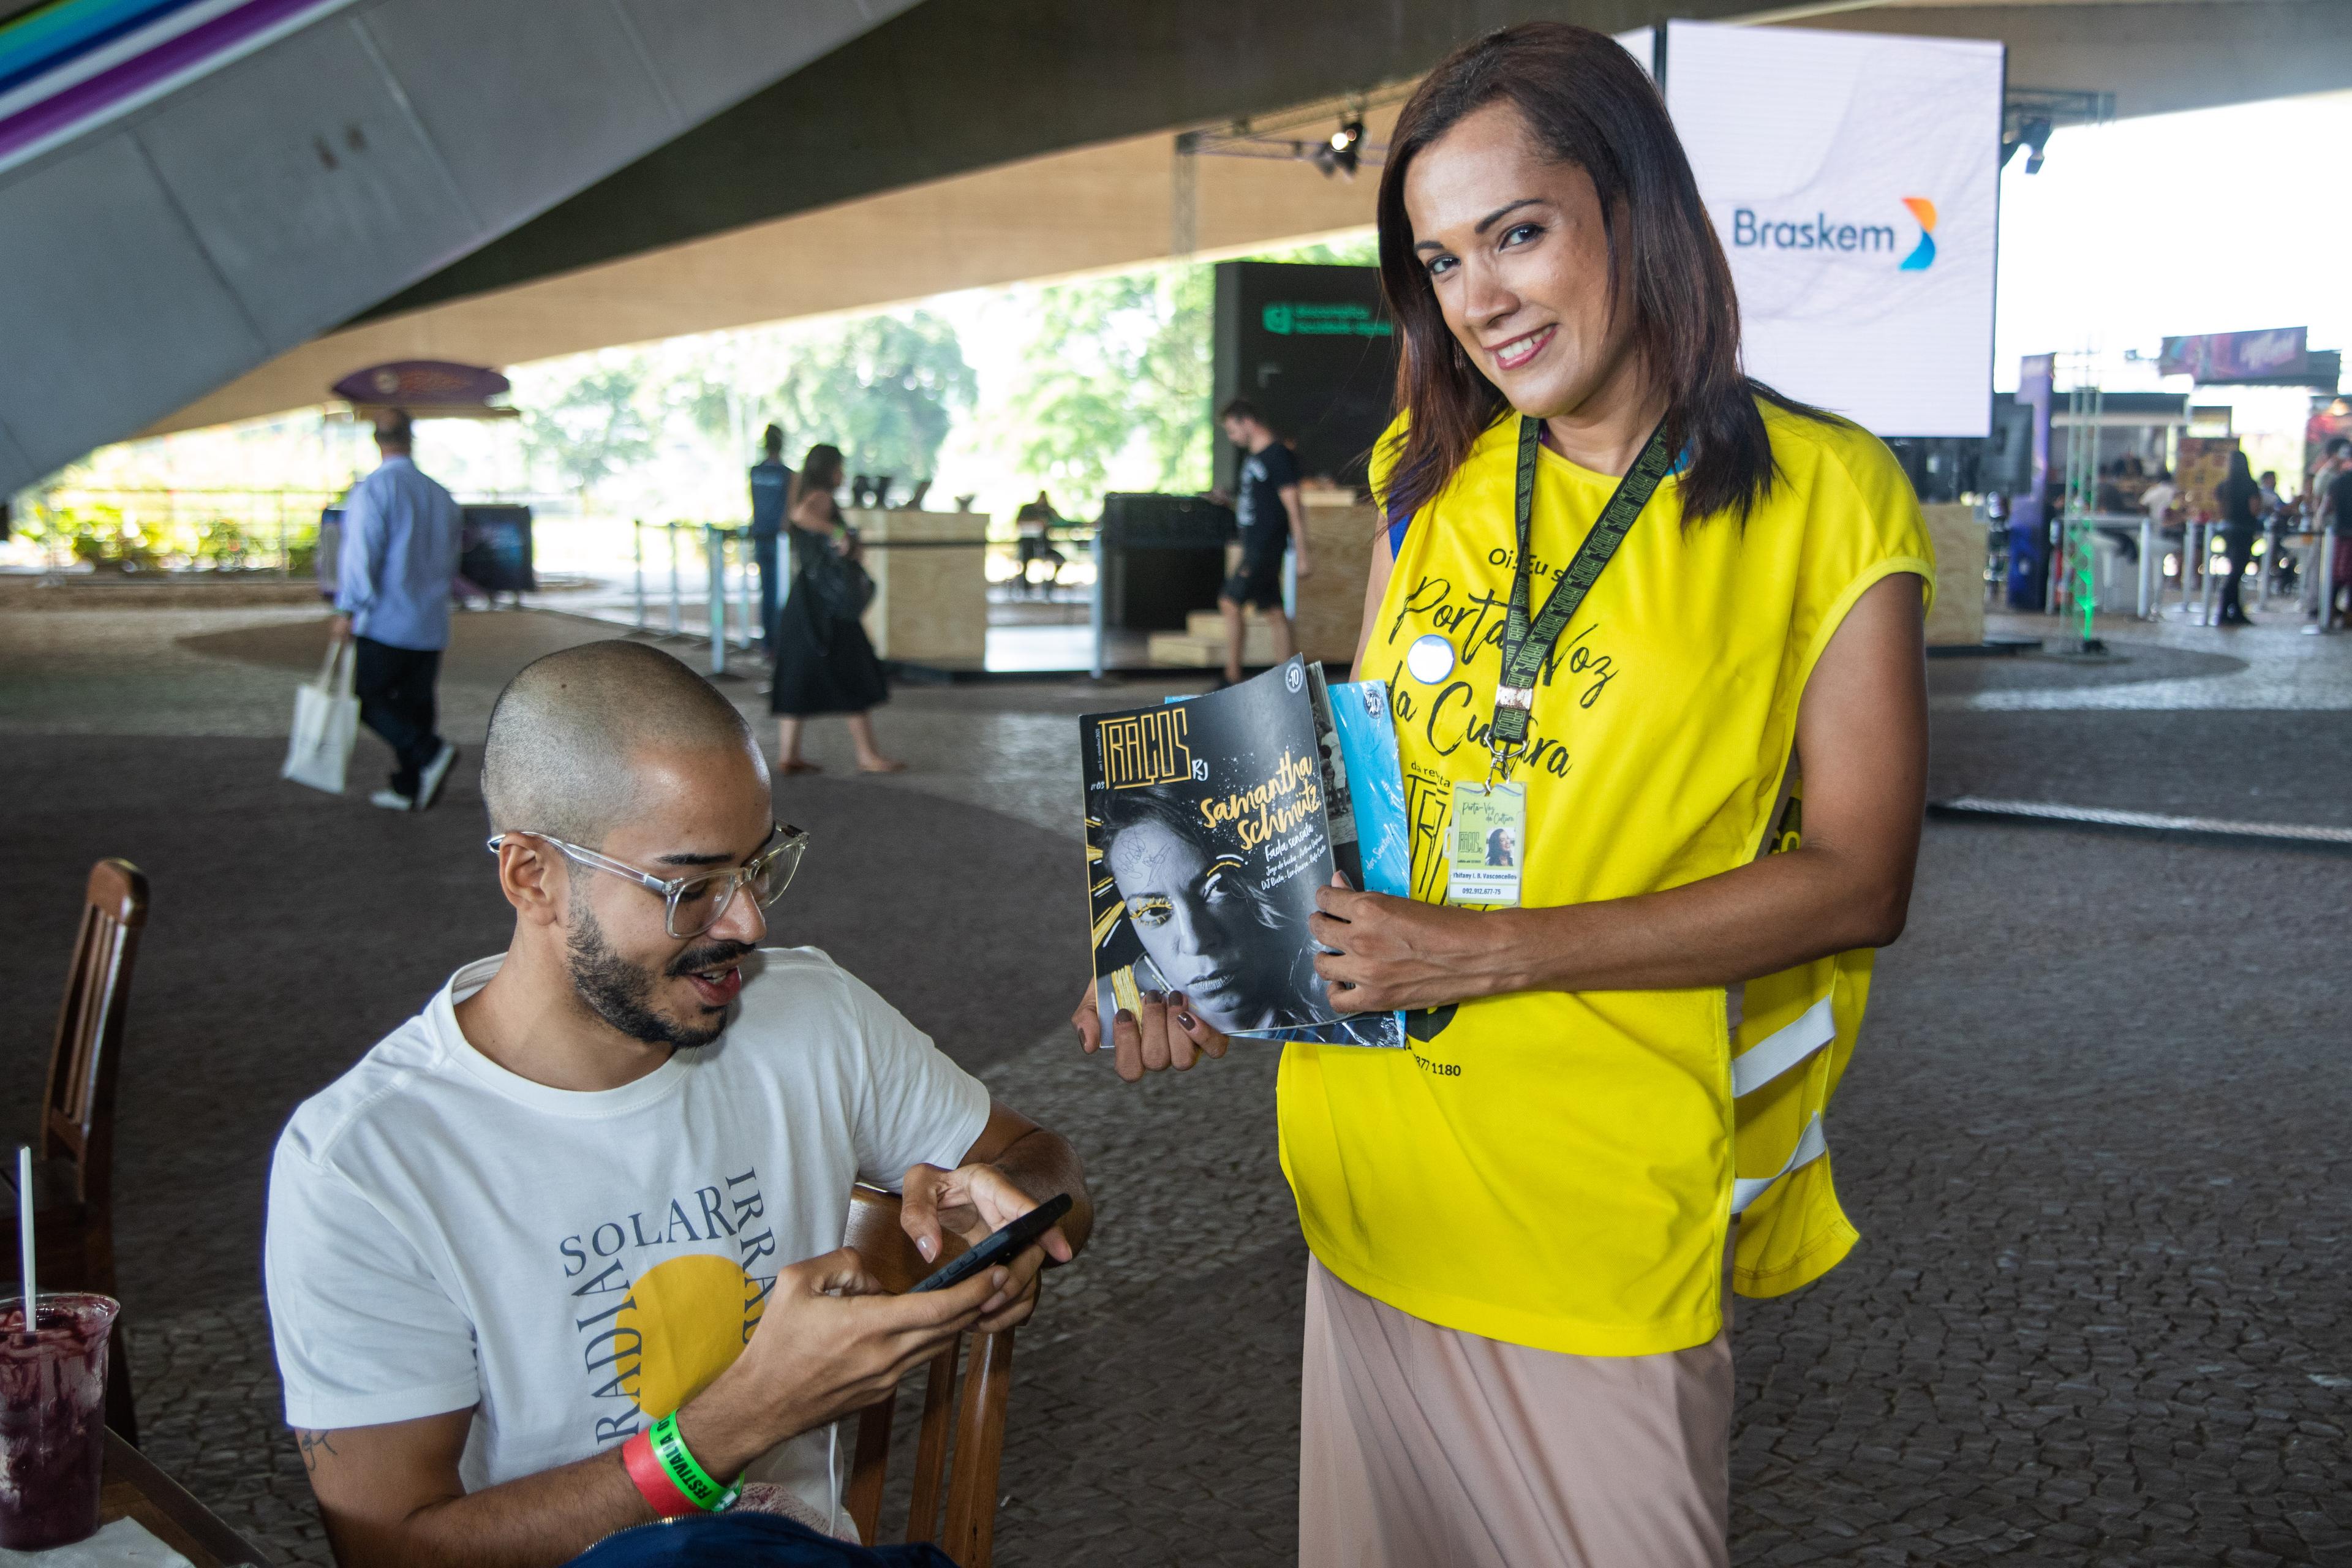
1001	1247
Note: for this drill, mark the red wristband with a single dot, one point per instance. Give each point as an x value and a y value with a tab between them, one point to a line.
653	1482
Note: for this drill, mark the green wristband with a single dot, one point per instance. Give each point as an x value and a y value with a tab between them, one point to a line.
685	1471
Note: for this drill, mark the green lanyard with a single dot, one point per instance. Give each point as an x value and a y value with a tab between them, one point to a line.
1527	643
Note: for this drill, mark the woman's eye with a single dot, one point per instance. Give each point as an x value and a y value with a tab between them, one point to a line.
1440	266
1519	234
1150	911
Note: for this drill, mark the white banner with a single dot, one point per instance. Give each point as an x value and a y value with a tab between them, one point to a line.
1853	179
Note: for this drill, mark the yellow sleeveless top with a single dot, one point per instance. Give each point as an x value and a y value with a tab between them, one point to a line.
1559	1169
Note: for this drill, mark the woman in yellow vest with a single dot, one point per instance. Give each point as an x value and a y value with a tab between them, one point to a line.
1623	592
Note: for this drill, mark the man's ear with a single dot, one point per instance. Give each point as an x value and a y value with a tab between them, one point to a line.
533	881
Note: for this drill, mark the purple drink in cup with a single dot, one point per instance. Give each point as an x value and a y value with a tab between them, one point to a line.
52	1418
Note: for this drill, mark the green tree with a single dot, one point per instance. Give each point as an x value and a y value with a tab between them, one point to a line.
1116	363
883	389
592	428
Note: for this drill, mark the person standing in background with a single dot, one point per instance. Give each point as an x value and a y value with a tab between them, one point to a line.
772	482
401	534
2313	519
1272	519
824	662
1033	520
2235	498
2333	508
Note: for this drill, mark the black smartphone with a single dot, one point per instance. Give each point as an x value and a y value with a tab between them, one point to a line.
1001	1247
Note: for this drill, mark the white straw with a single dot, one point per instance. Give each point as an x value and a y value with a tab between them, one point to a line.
24	1231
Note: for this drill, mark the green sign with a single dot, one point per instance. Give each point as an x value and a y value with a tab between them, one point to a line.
1310	320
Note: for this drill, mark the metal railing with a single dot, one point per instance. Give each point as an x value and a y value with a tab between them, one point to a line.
2326	567
724	630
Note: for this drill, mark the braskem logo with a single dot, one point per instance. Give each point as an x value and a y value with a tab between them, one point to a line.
1923	255
1821	232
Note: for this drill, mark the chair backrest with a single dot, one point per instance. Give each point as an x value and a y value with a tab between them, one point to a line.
979	1414
78	1104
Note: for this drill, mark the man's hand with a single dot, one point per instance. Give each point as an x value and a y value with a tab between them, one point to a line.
1169	1034
828	1344
976	1201
339	630
1398	953
831	1342
1301	566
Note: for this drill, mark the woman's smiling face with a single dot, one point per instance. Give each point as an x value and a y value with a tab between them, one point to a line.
1515	250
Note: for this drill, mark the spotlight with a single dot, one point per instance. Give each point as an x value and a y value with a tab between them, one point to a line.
1343	152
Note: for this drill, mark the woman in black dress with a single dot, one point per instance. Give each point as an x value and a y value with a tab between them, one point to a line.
825	664
2238	497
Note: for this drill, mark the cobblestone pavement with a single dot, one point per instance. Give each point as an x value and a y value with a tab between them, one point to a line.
2093	1139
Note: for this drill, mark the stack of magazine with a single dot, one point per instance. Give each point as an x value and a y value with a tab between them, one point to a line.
1210	822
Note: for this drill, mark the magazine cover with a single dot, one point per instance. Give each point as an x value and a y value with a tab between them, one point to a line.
1209	828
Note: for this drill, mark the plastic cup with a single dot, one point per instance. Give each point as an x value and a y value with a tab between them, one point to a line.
52	1418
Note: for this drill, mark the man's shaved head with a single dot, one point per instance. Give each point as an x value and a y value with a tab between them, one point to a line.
570	730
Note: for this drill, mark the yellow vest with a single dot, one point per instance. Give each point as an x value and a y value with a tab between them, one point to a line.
1559	1169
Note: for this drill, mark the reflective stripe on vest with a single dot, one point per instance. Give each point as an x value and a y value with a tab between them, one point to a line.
1783	1048
1746	1190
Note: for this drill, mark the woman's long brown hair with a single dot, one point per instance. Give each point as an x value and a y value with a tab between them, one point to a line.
1586	102
821	470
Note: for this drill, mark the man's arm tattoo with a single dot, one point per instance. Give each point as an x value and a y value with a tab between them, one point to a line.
311	1444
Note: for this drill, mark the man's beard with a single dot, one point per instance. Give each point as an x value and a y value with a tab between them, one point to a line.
619	991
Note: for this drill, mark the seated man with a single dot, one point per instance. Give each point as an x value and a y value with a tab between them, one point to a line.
606	1177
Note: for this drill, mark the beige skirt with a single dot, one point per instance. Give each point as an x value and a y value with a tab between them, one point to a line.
1423	1447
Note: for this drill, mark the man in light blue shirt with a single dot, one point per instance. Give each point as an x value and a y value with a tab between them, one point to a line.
401	540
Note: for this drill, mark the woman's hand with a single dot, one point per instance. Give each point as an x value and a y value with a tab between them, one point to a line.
1398	953
1169	1034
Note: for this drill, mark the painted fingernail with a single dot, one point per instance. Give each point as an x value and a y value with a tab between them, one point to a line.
1176	998
1123	1016
1187	1020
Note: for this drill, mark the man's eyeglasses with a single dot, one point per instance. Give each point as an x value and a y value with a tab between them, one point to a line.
694	904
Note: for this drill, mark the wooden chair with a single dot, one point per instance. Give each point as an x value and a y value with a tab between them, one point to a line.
979	1414
73	1151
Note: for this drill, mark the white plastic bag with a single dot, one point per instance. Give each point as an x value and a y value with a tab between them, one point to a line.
326	724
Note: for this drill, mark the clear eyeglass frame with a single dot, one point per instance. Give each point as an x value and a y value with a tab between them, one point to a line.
692	905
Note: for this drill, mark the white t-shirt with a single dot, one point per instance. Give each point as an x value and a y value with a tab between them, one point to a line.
445	1235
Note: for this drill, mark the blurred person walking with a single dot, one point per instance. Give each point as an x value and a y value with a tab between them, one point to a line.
824	662
2237	499
771	489
1273	519
1621	590
402	535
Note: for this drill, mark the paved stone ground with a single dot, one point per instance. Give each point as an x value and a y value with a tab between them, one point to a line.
2093	1139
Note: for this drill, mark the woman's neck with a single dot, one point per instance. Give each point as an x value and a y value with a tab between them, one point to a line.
1608	429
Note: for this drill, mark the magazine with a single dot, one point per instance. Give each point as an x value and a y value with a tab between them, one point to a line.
1211	822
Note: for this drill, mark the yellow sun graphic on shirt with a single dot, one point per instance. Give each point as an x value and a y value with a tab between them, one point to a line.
692	1316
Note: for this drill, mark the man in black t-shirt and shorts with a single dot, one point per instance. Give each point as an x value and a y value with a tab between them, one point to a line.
1272	519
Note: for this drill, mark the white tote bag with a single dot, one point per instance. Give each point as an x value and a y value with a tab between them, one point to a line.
326	724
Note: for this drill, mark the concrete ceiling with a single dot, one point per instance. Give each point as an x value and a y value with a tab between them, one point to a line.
166	251
964	142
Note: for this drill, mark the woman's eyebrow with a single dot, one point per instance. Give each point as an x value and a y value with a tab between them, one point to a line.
1492	218
1489	221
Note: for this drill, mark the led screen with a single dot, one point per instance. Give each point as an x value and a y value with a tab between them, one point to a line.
1853	181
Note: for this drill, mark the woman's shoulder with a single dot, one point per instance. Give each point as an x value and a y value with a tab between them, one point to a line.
1822	454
